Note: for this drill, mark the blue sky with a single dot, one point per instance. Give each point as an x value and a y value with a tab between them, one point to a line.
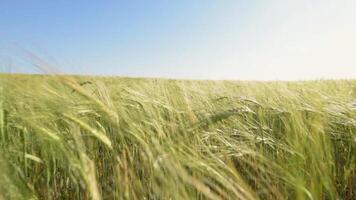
201	39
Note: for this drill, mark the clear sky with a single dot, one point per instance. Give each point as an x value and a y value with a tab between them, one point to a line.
199	39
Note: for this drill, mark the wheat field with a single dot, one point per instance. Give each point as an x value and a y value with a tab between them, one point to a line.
80	137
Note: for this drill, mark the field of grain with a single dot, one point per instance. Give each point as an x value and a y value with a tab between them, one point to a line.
123	138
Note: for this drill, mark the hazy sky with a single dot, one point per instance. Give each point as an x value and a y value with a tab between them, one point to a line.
205	39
